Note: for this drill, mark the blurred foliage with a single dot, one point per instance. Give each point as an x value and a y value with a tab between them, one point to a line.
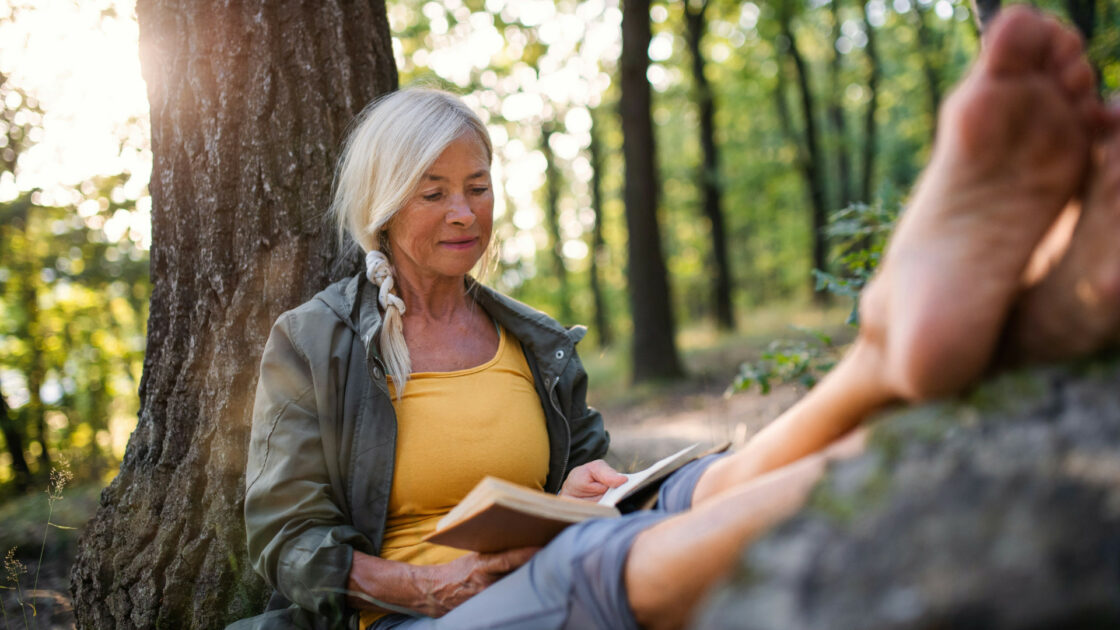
788	361
74	295
858	235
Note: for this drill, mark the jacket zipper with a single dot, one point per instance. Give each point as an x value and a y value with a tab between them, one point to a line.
567	426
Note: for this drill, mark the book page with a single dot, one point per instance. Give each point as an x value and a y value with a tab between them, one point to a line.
638	479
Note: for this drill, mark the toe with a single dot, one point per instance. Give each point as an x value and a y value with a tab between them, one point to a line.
1022	40
1077	79
1066	46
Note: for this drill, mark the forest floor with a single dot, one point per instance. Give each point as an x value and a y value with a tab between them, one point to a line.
646	423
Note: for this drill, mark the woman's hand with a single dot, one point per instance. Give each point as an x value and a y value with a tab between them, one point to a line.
429	590
589	481
448	585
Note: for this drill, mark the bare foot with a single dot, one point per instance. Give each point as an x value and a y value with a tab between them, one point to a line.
1074	309
1012	149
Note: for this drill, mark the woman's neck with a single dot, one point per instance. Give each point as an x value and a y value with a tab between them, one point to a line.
434	298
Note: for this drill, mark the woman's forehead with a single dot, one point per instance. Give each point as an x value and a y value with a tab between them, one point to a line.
465	157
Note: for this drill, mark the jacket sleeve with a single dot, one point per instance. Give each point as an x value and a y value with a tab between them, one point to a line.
590	439
298	536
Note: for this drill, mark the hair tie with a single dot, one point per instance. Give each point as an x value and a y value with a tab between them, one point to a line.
380	273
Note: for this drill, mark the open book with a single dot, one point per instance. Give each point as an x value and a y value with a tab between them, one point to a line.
498	515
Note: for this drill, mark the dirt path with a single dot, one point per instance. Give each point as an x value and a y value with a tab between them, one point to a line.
644	432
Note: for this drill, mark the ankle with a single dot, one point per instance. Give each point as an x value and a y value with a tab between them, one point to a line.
865	372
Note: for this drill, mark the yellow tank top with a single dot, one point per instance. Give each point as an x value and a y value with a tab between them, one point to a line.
453	429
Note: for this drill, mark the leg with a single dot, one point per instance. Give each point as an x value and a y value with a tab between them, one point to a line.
672	564
1011	151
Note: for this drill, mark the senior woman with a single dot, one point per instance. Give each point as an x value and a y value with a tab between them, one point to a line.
383	400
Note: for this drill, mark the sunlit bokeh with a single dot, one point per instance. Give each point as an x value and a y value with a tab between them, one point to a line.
79	59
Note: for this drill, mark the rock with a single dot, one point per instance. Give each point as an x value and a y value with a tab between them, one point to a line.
1000	510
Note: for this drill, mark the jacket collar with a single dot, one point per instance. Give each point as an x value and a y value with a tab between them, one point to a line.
354	300
549	342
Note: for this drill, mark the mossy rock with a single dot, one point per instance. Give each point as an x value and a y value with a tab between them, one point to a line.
1000	509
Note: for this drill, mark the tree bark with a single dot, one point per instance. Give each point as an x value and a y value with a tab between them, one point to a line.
552	223
809	154
654	351
710	181
249	103
598	245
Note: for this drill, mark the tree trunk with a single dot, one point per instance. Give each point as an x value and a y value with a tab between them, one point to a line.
37	371
13	441
552	223
710	181
810	161
836	116
598	245
1083	14
249	102
928	51
869	127
654	351
983	11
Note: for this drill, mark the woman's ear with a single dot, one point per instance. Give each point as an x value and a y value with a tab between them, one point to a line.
383	241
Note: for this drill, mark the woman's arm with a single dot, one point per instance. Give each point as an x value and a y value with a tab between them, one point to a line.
298	537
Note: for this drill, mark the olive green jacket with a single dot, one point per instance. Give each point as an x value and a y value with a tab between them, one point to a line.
324	434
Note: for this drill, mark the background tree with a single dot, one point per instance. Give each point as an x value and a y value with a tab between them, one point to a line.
710	180
599	252
654	351
870	126
810	161
929	48
552	222
244	139
13	440
836	114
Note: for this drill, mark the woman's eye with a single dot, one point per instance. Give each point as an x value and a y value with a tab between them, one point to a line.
432	196
480	190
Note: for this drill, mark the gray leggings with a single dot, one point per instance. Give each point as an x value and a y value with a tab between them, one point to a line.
575	582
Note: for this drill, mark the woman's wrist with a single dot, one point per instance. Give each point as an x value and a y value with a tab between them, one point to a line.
394	583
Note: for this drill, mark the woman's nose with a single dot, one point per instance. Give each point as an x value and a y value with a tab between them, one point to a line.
459	211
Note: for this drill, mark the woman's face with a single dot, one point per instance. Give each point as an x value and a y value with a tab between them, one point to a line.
444	228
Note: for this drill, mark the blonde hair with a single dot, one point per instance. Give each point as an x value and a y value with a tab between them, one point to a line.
394	141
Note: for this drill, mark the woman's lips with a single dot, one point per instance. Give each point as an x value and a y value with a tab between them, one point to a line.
465	243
